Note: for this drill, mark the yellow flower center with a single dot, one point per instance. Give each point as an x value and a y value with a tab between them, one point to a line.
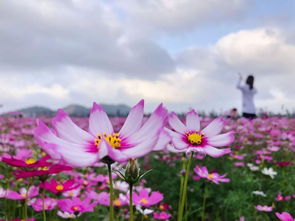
112	139
144	201
30	161
24	195
59	187
210	176
43	168
117	202
195	138
76	208
85	182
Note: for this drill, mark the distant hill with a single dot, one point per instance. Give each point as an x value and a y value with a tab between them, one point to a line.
73	110
116	110
76	110
36	111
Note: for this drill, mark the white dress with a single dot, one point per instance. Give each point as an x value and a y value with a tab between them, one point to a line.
248	105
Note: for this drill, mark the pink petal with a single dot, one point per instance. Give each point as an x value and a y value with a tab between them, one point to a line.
74	154
144	193
155	198
201	171
68	130
176	124
172	149
13	195
284	216
163	141
141	149
214	152
213	128
99	122
177	140
115	154
151	127
193	120
221	140
133	121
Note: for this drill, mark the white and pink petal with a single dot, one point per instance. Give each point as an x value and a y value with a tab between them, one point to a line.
192	121
221	140
176	124
99	123
213	128
68	130
133	121
214	152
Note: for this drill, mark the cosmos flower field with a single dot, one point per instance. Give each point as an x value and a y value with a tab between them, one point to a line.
197	168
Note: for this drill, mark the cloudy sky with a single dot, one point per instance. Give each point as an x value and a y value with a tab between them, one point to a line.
184	53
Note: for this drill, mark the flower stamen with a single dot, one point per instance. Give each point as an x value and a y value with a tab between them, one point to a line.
30	161
195	138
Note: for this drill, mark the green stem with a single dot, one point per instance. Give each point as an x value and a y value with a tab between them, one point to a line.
184	162
25	215
204	204
111	214
184	189
43	205
131	203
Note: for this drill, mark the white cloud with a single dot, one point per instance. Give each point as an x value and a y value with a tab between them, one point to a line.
179	15
54	34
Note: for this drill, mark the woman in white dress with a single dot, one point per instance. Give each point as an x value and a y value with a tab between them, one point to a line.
248	92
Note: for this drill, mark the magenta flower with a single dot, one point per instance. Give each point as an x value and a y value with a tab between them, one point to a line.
121	200
161	216
263	208
284	216
189	137
37	204
213	176
28	163
41	171
59	187
76	205
146	199
79	148
23	193
103	198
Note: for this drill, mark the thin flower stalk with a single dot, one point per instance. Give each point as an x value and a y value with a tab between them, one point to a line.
184	189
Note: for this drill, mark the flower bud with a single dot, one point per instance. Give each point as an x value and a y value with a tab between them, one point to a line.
132	171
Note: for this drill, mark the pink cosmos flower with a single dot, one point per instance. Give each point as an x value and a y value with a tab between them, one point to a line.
189	137
122	200
79	148
28	163
285	216
264	208
161	216
103	198
146	199
23	193
67	215
41	171
72	193
59	187
213	176
280	197
37	204
76	206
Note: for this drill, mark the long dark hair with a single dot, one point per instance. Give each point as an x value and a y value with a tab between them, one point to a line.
250	81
